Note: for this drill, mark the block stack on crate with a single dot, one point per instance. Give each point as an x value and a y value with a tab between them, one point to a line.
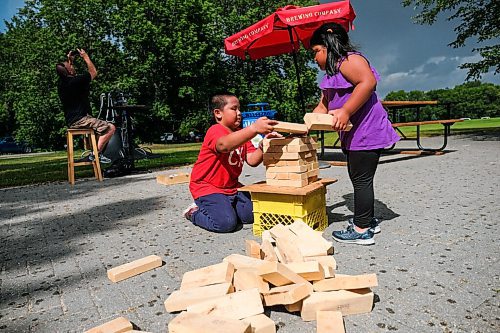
291	161
291	268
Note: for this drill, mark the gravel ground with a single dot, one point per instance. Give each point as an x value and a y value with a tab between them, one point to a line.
437	258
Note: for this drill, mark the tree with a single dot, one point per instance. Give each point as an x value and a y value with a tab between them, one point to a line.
478	19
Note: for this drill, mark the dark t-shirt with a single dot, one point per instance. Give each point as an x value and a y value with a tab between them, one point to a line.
74	94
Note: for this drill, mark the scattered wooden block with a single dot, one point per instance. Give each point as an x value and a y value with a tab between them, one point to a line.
289	294
260	324
329	322
346	301
248	278
266	235
321	122
288	250
175	178
252	249
286	127
180	299
238	305
279	230
241	261
346	282
267	249
295	307
133	268
311	270
303	231
196	323
324	260
329	271
279	275
117	325
205	276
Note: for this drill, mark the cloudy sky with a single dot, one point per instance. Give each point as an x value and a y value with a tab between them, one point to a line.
408	56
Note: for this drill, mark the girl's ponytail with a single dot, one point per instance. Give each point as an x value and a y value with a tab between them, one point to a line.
335	39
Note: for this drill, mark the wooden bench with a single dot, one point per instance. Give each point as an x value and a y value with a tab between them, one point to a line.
393	106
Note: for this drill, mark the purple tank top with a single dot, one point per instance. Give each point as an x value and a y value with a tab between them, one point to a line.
371	127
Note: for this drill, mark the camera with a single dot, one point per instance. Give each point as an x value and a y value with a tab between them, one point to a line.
74	53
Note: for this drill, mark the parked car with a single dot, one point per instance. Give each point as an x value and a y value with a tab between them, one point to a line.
168	138
9	145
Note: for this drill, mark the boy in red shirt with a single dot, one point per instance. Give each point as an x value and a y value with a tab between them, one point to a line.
219	206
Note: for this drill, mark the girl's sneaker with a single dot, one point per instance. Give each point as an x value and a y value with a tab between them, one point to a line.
374	224
353	237
188	212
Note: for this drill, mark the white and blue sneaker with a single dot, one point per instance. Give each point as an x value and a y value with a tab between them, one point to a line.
374	224
351	236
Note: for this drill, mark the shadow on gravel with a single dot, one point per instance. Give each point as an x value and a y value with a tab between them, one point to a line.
485	135
33	247
382	212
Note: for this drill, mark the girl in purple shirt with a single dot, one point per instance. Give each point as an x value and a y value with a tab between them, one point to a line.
348	93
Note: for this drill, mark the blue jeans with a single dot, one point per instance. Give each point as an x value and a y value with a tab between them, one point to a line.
221	213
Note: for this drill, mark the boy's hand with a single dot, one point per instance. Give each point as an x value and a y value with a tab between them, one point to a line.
340	119
264	125
273	135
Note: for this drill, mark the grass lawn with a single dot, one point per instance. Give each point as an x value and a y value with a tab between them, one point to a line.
51	167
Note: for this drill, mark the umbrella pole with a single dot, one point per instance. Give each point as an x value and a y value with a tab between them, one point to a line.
297	72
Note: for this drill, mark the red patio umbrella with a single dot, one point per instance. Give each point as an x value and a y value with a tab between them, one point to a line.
284	30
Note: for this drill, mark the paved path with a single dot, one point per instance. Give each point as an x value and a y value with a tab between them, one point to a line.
437	258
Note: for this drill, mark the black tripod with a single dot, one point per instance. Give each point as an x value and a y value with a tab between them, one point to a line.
121	149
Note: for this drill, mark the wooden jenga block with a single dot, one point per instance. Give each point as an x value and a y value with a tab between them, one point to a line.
288	250
187	322
279	275
238	305
260	324
268	249
175	178
324	260
329	322
311	270
290	156
180	299
252	249
278	255
295	307
136	331
279	175
302	230
313	173
289	141
279	230
266	235
133	268
288	294
286	127
284	169
298	176
312	166
241	261
290	183
329	271
248	278
214	274
321	122
346	282
301	148
117	325
346	301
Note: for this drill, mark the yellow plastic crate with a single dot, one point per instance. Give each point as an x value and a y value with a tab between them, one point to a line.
270	209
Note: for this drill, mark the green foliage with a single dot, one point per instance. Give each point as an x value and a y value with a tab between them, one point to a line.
478	19
472	99
167	54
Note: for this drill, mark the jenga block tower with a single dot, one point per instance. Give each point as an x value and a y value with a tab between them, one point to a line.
291	161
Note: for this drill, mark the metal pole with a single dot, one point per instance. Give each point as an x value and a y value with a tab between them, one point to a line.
294	54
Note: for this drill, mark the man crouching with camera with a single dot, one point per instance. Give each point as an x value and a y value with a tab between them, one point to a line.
74	91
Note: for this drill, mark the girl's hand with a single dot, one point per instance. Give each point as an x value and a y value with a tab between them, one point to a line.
263	125
340	119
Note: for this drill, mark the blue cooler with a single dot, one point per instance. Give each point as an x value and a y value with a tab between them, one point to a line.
249	117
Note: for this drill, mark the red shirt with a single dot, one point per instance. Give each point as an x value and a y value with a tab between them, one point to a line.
216	172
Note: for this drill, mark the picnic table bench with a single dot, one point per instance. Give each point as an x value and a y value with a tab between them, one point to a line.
393	108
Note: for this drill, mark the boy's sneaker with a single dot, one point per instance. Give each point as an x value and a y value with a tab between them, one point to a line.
353	237
188	212
374	224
